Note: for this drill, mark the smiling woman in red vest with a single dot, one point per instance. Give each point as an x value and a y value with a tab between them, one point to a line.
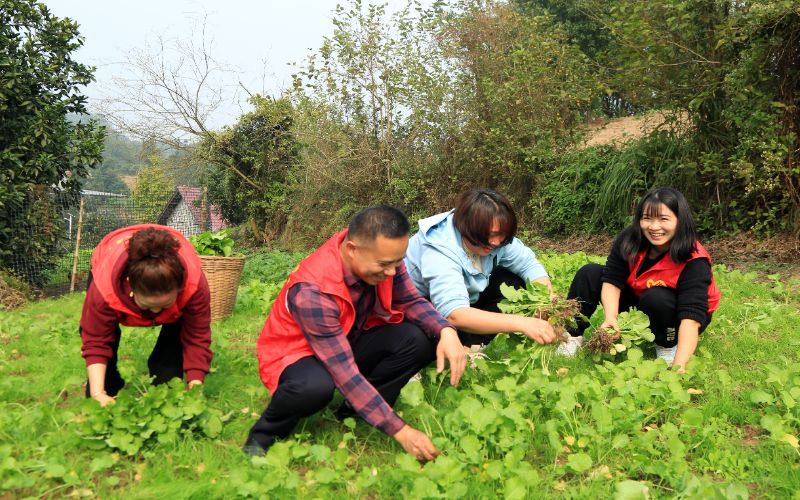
658	266
146	275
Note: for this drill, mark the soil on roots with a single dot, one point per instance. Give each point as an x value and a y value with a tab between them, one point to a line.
602	341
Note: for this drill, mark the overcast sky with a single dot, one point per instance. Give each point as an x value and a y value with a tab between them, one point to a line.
260	38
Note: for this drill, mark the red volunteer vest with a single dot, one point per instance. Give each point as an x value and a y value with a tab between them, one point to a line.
666	273
281	342
113	247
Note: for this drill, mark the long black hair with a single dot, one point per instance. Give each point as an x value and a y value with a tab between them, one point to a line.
632	241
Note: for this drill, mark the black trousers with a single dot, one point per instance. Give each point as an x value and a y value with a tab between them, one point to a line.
660	304
165	361
387	357
488	300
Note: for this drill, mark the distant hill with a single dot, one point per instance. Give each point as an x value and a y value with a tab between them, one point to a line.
122	158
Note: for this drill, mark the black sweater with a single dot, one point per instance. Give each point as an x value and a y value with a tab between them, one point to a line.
692	288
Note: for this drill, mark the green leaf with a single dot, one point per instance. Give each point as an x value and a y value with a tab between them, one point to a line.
510	293
693	417
319	452
774	424
326	475
407	462
620	441
413	394
55	470
635	354
631	490
579	462
760	397
471	446
212	427
102	462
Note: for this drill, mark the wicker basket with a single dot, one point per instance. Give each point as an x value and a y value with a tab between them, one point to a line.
223	275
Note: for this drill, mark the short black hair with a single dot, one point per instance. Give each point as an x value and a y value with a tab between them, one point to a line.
476	209
632	241
381	220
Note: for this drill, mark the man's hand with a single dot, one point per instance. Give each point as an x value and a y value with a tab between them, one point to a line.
193	383
450	348
416	443
537	330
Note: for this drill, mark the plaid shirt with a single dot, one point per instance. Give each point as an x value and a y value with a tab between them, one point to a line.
317	314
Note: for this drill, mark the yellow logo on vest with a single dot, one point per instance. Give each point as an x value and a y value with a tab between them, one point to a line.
652	283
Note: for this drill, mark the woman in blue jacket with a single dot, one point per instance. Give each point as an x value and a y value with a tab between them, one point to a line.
458	260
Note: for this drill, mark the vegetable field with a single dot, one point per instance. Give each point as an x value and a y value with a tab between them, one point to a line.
522	424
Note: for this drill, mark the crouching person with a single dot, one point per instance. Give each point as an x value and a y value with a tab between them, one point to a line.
350	318
146	275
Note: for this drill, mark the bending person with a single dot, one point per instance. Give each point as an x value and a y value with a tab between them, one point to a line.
458	260
349	317
658	266
146	275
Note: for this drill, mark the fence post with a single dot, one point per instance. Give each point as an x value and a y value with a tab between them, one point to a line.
77	248
204	210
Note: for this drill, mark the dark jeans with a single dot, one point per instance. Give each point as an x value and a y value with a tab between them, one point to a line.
386	356
659	303
164	363
488	300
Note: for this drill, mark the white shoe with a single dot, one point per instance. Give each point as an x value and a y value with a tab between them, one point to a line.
569	347
666	353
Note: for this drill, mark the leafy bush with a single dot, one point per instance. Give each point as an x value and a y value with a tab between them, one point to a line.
272	266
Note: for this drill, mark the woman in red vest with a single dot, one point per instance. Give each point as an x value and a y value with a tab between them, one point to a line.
146	275
658	266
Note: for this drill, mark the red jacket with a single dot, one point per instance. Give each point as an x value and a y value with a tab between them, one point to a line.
665	272
281	342
107	304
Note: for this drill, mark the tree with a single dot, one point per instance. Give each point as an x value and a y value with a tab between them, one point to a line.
39	146
154	188
261	150
107	182
530	86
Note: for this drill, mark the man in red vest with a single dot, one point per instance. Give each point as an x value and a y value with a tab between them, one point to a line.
349	317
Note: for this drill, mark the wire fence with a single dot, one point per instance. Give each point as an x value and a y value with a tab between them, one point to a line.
53	236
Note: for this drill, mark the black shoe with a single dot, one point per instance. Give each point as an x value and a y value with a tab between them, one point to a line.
253	447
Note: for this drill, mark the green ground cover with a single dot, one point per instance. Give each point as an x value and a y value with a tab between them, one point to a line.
523	424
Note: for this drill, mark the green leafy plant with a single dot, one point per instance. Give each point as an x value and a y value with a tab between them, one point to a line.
634	330
215	244
139	421
780	403
258	295
535	301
